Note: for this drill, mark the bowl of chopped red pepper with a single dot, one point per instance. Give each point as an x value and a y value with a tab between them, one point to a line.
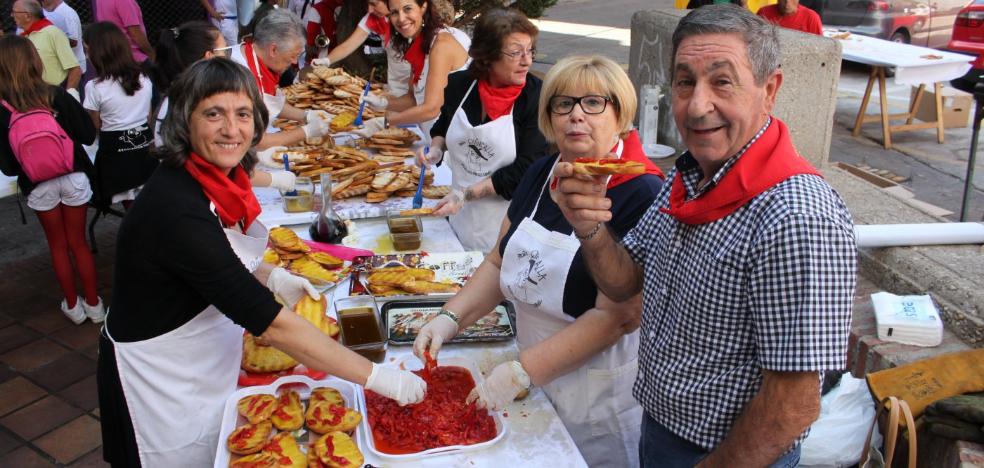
441	424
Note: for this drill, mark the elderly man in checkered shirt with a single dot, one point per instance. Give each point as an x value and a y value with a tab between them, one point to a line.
746	261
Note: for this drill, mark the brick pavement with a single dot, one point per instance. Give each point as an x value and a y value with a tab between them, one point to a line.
49	413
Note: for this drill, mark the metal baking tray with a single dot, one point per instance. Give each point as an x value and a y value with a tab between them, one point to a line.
403	319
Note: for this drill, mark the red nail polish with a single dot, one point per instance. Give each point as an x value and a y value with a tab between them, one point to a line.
553	183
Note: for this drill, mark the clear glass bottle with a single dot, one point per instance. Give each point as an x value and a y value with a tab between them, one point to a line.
328	228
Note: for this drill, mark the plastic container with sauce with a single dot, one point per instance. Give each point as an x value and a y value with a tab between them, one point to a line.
405	231
362	326
303	201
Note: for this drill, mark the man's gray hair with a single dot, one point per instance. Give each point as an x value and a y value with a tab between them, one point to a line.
280	26
204	79
33	8
760	36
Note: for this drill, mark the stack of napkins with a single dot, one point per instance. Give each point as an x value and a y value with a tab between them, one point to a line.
912	320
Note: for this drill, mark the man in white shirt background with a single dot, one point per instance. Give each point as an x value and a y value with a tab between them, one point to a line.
67	19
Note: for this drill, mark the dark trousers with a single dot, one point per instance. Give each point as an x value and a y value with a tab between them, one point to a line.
660	448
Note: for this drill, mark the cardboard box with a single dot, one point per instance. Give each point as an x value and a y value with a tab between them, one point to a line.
957	106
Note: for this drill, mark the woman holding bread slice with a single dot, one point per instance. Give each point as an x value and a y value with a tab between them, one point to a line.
488	127
190	277
575	342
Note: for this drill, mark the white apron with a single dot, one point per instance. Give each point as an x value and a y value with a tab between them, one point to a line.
475	153
275	103
595	401
176	384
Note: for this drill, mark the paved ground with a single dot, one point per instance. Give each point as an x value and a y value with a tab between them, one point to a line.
48	404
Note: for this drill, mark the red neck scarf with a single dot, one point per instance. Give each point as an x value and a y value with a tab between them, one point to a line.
769	161
498	101
632	151
37	26
265	77
231	194
379	25
415	56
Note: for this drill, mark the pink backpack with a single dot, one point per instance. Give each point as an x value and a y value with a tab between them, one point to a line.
42	148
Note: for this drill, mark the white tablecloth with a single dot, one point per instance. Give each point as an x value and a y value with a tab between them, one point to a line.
913	64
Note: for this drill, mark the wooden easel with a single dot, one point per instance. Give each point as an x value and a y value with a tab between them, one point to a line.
878	74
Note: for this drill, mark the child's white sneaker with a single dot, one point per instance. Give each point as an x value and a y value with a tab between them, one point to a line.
75	314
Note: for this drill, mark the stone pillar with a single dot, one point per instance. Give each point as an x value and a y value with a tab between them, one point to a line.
807	98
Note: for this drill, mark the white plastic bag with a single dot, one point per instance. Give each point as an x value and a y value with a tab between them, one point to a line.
837	437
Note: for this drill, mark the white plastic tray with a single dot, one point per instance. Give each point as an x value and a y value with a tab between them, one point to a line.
231	418
411	362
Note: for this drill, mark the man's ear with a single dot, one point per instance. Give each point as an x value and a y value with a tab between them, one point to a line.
772	85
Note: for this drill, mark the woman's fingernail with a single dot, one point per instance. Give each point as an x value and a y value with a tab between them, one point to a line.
553	183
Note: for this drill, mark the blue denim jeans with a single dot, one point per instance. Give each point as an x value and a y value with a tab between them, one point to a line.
660	448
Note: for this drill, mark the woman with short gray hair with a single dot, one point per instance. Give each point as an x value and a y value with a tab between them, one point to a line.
189	279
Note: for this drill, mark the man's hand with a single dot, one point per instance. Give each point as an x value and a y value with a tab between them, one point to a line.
581	198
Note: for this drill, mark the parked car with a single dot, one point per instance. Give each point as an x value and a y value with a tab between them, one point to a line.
907	21
968	38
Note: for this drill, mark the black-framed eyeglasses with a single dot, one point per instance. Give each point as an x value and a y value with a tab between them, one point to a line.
517	54
590	104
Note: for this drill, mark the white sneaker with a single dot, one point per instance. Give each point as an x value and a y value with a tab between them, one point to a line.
96	313
75	314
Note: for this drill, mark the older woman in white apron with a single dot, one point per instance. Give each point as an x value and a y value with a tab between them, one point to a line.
433	49
487	132
189	278
577	344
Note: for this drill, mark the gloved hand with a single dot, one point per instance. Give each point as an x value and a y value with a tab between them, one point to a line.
319	114
283	180
375	102
430	157
506	381
75	94
430	338
321	62
268	157
401	385
370	127
315	128
450	204
290	288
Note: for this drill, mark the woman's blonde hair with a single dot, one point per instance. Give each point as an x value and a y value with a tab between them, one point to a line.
594	74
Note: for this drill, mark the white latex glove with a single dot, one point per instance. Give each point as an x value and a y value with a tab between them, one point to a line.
401	385
321	62
375	102
315	128
430	157
430	338
501	388
268	157
290	288
283	180
75	94
319	114
370	127
450	204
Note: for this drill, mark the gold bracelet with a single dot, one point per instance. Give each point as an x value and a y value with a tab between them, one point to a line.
449	314
590	235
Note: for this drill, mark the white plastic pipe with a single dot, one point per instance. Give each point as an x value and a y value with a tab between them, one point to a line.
900	235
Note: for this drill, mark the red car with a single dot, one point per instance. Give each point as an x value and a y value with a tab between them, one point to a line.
968	38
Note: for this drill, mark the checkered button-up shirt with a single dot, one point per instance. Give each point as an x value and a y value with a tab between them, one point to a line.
769	286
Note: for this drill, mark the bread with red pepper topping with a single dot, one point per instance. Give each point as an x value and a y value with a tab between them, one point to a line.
249	438
324	417
338	450
289	412
256	408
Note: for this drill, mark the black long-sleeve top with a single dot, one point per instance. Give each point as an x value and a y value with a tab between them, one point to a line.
71	117
173	260
530	143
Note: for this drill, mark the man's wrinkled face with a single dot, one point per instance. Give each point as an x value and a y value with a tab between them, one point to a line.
717	106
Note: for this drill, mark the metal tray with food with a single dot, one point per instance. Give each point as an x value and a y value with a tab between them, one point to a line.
399	276
277	421
403	319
